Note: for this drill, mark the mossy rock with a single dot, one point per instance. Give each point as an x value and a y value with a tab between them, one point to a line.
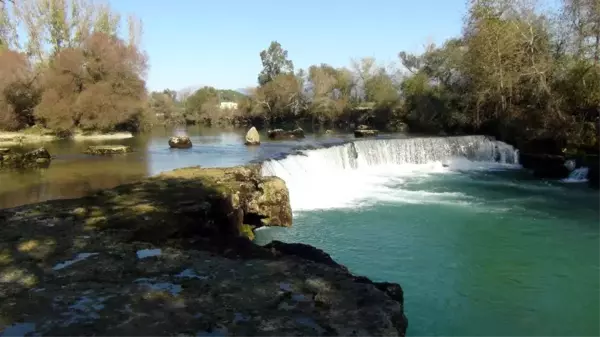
101	150
37	158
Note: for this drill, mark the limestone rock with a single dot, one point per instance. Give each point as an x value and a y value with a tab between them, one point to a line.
180	142
35	158
167	256
365	131
252	137
545	165
107	149
286	134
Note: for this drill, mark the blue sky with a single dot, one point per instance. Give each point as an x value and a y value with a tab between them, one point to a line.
217	42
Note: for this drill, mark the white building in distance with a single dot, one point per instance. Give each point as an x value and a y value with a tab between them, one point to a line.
228	105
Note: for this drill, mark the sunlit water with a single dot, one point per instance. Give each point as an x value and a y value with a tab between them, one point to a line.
480	248
73	174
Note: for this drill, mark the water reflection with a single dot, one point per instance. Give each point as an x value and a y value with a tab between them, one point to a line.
73	174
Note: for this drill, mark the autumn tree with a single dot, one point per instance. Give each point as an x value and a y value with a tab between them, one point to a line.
19	92
99	86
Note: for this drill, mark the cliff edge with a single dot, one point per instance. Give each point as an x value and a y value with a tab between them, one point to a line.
171	255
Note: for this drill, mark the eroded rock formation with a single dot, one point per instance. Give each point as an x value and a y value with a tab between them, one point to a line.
35	158
169	255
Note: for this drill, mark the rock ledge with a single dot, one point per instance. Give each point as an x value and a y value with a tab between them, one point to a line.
169	255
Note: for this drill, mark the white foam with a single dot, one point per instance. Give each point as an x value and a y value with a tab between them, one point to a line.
578	175
366	172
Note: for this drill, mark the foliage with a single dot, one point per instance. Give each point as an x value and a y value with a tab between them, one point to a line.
65	67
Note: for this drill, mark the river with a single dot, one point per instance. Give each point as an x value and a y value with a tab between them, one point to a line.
479	246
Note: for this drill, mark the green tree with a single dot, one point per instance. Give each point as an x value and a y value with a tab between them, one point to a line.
275	62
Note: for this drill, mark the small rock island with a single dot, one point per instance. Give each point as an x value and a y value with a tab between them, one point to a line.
173	255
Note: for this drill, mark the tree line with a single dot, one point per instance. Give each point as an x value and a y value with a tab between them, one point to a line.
522	71
519	72
64	66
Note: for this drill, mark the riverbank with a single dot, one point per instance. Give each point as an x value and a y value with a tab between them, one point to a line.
171	255
36	136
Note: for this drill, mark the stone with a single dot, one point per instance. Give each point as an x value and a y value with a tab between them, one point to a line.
570	165
277	134
37	158
328	132
252	137
164	256
364	131
107	149
180	142
545	165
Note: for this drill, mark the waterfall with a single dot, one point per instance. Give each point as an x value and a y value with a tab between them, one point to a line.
338	175
385	152
578	175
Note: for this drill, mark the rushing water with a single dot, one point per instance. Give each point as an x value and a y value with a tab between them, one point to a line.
479	246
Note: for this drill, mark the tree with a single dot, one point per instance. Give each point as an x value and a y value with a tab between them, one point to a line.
96	87
275	62
19	92
201	105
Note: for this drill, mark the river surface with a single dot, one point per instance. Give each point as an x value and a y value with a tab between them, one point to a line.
479	246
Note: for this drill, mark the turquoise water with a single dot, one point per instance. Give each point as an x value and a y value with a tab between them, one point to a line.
479	249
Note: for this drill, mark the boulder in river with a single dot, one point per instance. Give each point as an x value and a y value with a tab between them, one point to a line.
545	165
286	134
180	142
365	131
166	256
35	158
252	137
107	149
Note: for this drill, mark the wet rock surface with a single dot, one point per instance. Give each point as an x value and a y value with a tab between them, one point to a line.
11	159
107	149
180	142
545	165
166	256
276	134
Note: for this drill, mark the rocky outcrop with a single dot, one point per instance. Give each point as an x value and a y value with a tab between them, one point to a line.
32	159
365	131
107	149
286	134
544	165
166	256
252	137
180	142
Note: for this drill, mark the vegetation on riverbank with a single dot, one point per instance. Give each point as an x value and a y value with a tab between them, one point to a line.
521	72
64	66
528	75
